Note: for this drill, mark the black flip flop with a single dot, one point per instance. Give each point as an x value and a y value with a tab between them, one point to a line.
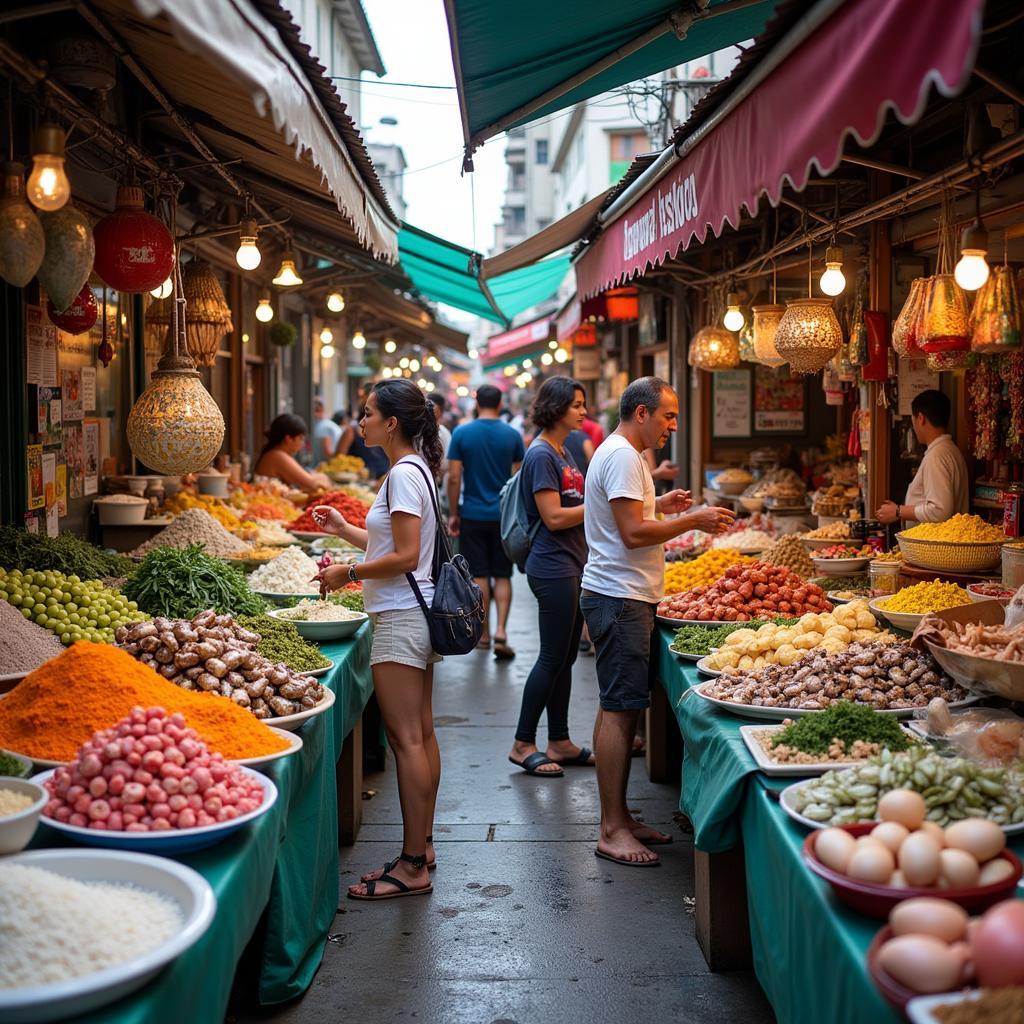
628	863
581	760
531	763
502	651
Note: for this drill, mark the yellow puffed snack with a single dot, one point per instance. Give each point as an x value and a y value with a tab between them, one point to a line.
865	620
787	654
740	637
746	662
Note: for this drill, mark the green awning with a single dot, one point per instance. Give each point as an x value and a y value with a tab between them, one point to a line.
515	62
449	273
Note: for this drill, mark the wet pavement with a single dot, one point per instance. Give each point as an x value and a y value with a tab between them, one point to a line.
525	923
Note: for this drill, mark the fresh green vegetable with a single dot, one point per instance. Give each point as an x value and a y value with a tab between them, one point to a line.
351	599
280	642
844	721
953	788
64	553
831	583
11	766
179	583
701	639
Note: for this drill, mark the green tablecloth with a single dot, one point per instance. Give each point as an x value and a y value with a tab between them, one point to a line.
809	950
286	864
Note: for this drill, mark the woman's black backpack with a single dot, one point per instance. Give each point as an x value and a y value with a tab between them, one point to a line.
455	617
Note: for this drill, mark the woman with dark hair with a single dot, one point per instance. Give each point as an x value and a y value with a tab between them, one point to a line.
286	437
553	491
401	530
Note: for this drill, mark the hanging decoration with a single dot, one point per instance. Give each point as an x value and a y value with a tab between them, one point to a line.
904	330
22	243
766	324
946	362
159	314
996	317
134	249
48	186
945	321
176	427
808	334
984	387
106	350
1012	371
79	317
69	255
714	348
209	316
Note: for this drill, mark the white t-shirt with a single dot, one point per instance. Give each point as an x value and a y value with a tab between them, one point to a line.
406	489
618	470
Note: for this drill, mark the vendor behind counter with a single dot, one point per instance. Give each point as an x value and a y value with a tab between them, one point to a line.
286	437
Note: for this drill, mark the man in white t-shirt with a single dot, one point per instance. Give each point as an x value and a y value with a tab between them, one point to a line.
326	433
623	582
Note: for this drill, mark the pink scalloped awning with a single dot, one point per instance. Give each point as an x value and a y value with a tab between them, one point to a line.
870	57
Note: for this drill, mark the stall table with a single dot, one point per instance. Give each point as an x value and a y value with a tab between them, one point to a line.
280	872
808	950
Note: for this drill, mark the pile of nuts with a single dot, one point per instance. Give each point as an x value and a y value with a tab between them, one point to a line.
789	552
213	653
886	676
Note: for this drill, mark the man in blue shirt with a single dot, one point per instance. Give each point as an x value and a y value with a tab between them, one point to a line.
482	456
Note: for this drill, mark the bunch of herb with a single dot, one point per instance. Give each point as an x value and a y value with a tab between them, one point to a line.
351	599
64	553
280	642
831	583
845	721
699	640
179	583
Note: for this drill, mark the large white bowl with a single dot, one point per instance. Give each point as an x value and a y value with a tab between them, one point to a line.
176	882
173	841
320	631
17	829
291	722
901	620
120	513
285	600
840	566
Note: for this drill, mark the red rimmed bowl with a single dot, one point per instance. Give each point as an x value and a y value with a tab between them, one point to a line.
877	900
896	995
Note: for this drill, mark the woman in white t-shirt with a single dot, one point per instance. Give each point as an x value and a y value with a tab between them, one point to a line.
401	529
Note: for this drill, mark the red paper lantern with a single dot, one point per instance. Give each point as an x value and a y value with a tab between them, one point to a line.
134	250
79	317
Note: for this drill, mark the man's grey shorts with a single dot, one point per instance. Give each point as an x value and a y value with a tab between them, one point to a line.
621	631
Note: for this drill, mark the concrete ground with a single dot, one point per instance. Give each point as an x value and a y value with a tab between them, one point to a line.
525	923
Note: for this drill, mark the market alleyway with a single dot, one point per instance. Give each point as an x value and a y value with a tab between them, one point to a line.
525	924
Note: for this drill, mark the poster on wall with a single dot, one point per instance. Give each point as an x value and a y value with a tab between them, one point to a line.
73	457
731	401
71	381
914	377
89	388
91	455
50	481
778	401
41	348
62	489
48	416
34	465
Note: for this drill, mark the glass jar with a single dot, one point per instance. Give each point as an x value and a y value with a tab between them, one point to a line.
883	577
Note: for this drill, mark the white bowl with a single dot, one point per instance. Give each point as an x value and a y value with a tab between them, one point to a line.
122	512
285	600
25	762
320	631
294	746
289	723
752	504
183	885
17	829
840	566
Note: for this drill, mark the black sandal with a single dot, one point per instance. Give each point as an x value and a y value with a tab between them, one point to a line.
419	861
432	867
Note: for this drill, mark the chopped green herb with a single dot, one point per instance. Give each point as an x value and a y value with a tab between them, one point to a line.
844	721
280	642
699	640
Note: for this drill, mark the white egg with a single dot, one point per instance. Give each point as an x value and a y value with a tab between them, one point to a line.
891	834
904	806
834	847
995	871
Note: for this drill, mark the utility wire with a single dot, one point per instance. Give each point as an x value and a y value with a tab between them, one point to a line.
381	81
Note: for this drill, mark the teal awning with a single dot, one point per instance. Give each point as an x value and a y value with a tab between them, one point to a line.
518	61
448	273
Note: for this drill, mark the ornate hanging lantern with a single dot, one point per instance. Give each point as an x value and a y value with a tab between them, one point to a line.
209	316
134	249
808	335
714	348
22	242
766	325
159	314
176	427
79	317
904	330
996	317
69	255
945	323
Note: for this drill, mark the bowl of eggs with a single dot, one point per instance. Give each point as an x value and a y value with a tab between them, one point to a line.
873	866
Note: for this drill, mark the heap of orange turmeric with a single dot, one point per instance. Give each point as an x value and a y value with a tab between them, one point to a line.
55	709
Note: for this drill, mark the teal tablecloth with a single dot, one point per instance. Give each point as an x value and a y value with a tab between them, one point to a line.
286	864
809	950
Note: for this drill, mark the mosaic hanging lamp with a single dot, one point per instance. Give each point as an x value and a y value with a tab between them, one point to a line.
69	255
22	242
808	335
713	349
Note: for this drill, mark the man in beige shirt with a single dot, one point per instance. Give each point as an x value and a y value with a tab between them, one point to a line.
939	488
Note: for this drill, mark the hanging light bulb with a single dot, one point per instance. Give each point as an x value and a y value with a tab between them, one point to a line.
403	363
358	340
734	318
547	359
164	290
561	356
335	302
472	353
264	310
972	269
247	256
462	391
833	281
327	351
287	275
390	346
48	186
326	336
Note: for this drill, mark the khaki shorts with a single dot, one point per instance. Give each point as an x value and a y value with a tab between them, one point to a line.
401	636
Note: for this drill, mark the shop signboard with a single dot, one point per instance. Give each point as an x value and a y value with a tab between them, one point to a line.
731	403
586	363
778	401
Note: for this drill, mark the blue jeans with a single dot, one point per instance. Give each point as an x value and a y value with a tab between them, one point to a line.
621	630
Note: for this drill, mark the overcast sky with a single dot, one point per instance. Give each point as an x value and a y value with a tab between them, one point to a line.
412	37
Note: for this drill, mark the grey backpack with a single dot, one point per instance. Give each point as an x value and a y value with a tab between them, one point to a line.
516	532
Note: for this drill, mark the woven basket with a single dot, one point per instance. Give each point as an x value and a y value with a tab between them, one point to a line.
207	314
949	556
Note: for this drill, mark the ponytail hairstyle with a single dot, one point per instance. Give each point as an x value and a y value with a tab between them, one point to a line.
285	425
415	414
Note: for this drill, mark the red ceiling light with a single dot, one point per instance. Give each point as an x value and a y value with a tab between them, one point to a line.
134	249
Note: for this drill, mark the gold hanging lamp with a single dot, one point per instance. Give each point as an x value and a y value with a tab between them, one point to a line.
766	324
808	335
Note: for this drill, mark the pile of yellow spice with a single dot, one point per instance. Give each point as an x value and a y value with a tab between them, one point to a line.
961	529
681	576
922	598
